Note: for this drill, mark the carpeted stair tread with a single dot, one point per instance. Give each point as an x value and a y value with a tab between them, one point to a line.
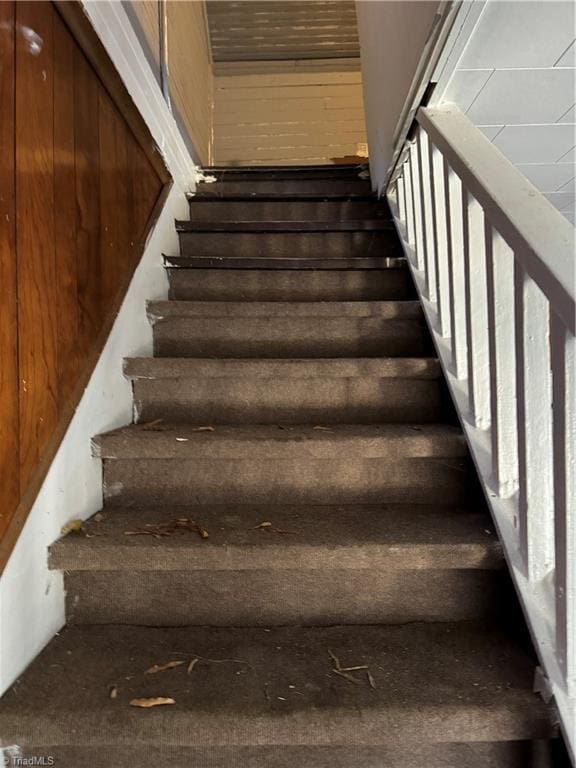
394	536
291	208
375	441
158	310
269	283
431	682
328	188
232	227
287	391
370	367
252	243
267	261
513	754
291	336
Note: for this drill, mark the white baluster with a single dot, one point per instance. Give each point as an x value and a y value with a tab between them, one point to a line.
477	311
417	197
441	243
456	273
400	201
409	199
426	176
501	321
535	457
563	361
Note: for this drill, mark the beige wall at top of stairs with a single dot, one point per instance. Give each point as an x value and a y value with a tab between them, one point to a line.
189	65
298	114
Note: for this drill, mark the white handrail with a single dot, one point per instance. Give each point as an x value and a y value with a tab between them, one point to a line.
542	237
494	263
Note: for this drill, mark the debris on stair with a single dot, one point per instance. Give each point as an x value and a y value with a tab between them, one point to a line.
157	701
198	658
113	692
163	667
78	527
348	672
74	526
190	667
268	526
164	530
153	426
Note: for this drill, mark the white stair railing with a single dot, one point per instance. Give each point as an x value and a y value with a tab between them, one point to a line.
494	263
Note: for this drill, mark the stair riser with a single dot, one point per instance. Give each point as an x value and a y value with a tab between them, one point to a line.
278	210
290	337
268	598
309	481
281	187
289	244
287	285
290	401
338	310
303	173
415	755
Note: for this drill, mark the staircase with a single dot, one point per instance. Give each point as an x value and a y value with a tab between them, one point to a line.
293	520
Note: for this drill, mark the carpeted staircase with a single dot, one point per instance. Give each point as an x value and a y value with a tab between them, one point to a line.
294	548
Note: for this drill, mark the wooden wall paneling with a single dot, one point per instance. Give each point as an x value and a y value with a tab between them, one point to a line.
87	40
37	294
145	187
128	246
80	184
87	159
65	213
9	411
115	206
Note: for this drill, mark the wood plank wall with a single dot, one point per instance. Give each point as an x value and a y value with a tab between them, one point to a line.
189	63
77	192
190	73
9	412
310	114
147	13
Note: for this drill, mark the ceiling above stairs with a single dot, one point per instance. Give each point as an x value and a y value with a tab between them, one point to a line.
248	30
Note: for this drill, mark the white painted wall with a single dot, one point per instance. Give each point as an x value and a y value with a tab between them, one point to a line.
32	597
393	35
515	79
